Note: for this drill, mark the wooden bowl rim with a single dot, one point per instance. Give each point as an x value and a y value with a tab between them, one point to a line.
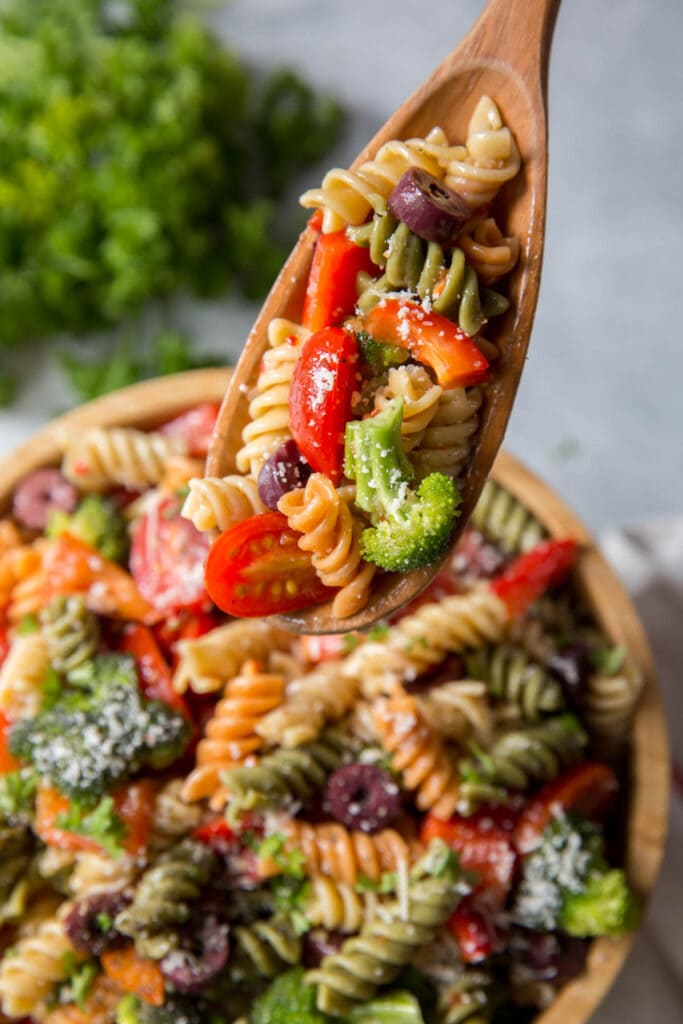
154	401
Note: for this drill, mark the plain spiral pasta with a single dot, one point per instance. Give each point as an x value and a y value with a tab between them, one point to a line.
489	253
268	425
447	442
172	816
345	196
420	401
311	701
36	967
488	159
104	457
207	663
331	532
22	675
217	503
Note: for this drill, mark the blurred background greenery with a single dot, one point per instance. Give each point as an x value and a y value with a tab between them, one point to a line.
140	159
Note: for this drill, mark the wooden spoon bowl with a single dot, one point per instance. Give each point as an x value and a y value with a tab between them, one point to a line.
647	769
505	55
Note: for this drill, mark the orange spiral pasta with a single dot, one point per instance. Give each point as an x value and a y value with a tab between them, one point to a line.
331	849
230	735
418	754
322	514
488	251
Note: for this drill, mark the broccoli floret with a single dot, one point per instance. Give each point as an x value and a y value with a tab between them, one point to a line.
99	731
411	528
378	354
567	884
175	1010
287	999
97	522
605	906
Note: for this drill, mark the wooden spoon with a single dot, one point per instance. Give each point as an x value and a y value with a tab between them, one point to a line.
505	55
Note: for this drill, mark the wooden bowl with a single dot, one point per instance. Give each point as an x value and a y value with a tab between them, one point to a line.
148	404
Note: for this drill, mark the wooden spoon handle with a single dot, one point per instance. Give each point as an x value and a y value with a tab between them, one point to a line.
518	32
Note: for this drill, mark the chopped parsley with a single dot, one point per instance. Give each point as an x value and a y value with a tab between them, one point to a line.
387	883
101	824
273	847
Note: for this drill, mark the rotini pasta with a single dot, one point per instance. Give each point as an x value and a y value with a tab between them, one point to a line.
36	965
505	520
95	873
217	503
22	675
105	456
488	159
331	849
320	696
330	531
420	401
608	704
264	948
230	735
334	906
71	630
489	253
457	710
468	1000
513	678
172	816
206	664
418	755
268	425
447	442
345	196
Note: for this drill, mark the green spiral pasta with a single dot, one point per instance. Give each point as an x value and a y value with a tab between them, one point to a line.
164	896
389	942
523	757
71	631
264	948
513	678
467	1001
285	776
397	1007
419	266
505	520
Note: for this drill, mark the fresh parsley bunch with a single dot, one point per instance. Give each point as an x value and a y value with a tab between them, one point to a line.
137	158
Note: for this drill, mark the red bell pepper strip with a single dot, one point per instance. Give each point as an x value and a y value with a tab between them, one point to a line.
530	575
315	221
8	763
331	292
4	643
321	396
586	790
154	673
431	339
482	847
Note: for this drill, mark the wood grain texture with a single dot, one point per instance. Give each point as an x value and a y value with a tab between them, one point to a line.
505	55
149	404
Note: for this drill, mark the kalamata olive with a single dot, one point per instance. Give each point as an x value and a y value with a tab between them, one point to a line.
90	923
285	471
571	666
41	492
548	956
190	969
319	943
429	207
362	796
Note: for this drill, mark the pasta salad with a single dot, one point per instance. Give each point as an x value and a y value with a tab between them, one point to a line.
364	415
207	820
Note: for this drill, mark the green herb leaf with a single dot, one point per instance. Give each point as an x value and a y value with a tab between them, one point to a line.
101	824
17	793
29	624
608	660
387	883
291	862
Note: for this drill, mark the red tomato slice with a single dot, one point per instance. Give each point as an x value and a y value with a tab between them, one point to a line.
530	575
167	558
431	339
586	790
194	428
323	383
154	672
483	847
257	568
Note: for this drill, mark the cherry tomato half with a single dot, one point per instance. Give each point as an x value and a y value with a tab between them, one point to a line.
257	568
194	428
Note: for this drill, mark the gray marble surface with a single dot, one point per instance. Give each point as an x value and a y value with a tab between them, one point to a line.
599	409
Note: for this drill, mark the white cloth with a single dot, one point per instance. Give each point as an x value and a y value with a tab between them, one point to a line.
649	989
